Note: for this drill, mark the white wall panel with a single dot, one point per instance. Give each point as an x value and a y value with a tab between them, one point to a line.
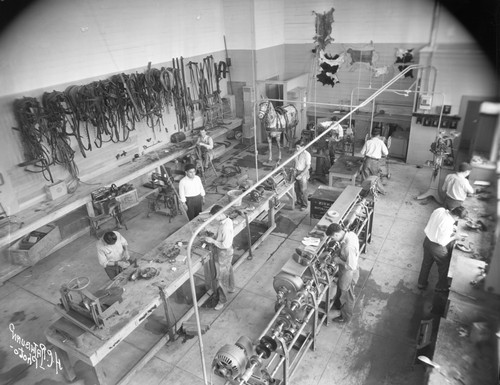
269	23
238	24
362	21
58	41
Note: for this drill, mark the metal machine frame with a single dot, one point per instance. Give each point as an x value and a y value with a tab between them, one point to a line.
305	288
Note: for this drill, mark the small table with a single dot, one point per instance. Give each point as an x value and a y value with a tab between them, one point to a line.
345	167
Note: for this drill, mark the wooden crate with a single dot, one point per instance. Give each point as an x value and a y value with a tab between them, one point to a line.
128	200
26	253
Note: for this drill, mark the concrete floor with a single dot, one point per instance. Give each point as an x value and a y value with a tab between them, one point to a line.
377	347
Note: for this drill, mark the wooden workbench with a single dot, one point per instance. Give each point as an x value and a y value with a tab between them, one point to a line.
49	211
142	297
345	167
462	360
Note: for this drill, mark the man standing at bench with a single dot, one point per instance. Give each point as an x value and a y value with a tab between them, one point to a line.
112	252
191	192
223	255
373	150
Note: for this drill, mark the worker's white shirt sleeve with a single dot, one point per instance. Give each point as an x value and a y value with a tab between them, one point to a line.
190	188
210	143
182	190
111	253
457	186
439	229
363	150
225	234
374	148
350	250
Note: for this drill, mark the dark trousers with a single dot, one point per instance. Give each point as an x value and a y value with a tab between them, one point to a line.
370	167
194	206
345	298
113	271
301	192
441	255
450	203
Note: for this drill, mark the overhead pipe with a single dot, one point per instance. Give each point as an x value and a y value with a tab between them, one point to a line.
253	188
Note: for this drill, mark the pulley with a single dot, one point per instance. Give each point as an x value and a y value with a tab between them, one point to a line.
287	283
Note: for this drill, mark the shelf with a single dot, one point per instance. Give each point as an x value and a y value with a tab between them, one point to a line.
49	211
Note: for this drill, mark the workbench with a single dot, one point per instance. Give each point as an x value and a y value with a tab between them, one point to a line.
49	211
142	297
345	167
462	359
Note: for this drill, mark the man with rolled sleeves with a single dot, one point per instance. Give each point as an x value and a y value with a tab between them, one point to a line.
373	150
457	187
440	237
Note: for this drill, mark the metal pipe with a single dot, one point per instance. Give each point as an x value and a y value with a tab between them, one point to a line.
276	315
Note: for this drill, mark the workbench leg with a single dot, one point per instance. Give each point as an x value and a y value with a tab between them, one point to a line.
67	369
170	324
101	376
292	199
272	211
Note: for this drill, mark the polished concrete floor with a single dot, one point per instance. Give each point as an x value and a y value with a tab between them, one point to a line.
377	347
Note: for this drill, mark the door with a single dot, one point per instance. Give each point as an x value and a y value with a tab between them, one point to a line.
469	127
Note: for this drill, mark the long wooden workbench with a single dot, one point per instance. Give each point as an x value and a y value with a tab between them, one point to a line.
142	297
467	348
49	211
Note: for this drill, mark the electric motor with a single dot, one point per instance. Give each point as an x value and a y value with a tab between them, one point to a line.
230	362
288	284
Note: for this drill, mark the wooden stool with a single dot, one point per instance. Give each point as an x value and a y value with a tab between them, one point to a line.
109	208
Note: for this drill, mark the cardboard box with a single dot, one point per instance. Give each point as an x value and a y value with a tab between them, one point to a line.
128	199
56	190
32	248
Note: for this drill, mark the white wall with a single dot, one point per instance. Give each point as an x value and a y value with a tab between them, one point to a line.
59	41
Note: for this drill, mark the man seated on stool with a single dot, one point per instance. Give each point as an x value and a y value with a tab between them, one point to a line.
373	150
206	144
302	166
457	187
112	252
191	192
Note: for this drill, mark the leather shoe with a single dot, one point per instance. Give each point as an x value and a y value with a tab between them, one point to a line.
339	320
441	290
422	287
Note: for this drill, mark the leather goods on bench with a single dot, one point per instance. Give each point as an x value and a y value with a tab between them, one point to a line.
177	137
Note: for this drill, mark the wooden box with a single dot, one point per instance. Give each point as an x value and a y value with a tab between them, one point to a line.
128	200
35	246
56	190
322	199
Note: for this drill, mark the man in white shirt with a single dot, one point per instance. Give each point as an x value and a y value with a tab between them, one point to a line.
223	255
349	270
302	166
456	186
440	237
373	150
112	253
191	192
